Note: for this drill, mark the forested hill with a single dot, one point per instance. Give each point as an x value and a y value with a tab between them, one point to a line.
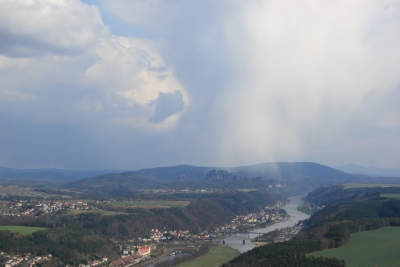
286	178
330	227
337	193
173	172
267	170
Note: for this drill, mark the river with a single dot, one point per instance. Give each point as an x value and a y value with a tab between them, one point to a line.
236	240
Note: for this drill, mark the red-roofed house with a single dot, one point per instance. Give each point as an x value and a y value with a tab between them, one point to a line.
144	250
128	261
136	256
117	263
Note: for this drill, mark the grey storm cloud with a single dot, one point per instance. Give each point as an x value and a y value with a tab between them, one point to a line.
166	105
132	84
24	46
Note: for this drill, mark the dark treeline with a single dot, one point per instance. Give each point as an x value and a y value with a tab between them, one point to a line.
285	254
46	221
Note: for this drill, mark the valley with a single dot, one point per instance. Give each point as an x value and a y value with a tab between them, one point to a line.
185	211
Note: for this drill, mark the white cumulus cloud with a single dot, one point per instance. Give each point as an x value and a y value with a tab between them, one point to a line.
63	63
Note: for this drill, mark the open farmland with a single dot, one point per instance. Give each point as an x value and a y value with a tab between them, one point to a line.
217	256
23	230
151	204
397	196
349	186
27	192
98	211
368	249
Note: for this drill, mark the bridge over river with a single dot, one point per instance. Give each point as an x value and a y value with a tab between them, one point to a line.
235	240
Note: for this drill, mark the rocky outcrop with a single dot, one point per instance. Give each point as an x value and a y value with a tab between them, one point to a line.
224	175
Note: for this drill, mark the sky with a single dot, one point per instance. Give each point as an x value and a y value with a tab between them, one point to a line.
131	84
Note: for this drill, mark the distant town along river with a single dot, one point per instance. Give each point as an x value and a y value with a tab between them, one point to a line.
236	240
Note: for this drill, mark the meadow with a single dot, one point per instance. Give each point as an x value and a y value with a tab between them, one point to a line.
103	212
23	230
217	256
28	192
349	186
151	204
368	249
397	196
303	208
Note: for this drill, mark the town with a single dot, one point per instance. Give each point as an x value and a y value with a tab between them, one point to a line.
165	242
141	250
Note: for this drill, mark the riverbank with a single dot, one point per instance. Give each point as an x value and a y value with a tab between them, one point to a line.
235	240
303	207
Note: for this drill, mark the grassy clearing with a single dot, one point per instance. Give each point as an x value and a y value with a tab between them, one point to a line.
349	186
368	249
104	212
247	190
28	192
4	206
303	208
74	200
391	195
152	204
23	230
217	256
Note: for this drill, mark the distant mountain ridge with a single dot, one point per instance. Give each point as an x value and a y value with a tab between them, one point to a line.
372	171
44	176
271	169
288	178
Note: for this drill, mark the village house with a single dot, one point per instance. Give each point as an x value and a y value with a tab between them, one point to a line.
144	250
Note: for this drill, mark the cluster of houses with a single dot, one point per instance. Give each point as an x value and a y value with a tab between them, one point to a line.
270	214
95	263
280	235
163	191
178	235
40	207
29	260
314	207
132	257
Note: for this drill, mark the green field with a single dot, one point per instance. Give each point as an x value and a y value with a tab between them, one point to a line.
4	208
303	208
152	204
349	186
247	190
368	249
390	195
104	212
215	257
28	192
23	230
